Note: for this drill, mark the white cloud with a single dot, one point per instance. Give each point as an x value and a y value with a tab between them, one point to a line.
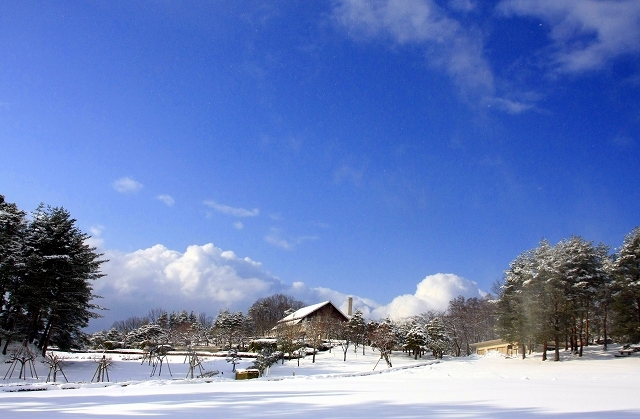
348	173
587	33
463	5
314	295
126	185
203	278
433	293
95	240
167	199
238	225
206	279
235	212
448	45
275	238
510	106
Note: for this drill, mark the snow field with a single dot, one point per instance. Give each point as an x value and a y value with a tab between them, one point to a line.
597	385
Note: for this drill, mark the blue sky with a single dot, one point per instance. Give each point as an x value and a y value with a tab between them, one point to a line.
400	152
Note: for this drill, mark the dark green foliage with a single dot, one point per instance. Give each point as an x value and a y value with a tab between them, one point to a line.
626	289
563	294
46	269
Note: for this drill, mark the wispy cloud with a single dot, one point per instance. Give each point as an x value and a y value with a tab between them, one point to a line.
510	106
463	5
448	45
167	199
238	225
275	238
586	34
96	240
235	212
126	185
348	173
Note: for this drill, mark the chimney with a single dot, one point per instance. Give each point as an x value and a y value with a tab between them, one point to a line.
350	307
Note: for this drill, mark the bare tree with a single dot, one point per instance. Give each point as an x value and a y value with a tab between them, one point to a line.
129	324
154	314
266	312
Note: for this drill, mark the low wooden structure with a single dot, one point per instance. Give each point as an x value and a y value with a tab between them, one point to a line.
497	345
247	374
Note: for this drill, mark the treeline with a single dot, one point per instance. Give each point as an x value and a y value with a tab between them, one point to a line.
228	329
46	270
450	332
572	294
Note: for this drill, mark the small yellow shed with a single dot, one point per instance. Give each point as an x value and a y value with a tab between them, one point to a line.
498	345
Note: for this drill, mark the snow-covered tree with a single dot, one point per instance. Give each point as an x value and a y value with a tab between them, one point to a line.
233	358
13	224
416	340
626	288
383	337
56	291
438	340
357	327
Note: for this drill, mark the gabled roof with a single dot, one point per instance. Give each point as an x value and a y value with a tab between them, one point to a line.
299	315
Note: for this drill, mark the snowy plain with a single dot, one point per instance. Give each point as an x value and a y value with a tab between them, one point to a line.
596	385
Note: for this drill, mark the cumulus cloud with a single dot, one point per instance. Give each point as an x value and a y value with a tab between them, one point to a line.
433	293
126	185
586	34
235	212
205	278
202	278
448	44
341	300
167	199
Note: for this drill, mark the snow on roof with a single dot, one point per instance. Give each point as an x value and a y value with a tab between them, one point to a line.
303	312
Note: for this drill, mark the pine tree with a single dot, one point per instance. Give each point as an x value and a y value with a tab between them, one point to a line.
626	294
60	268
47	295
439	342
416	340
13	225
358	330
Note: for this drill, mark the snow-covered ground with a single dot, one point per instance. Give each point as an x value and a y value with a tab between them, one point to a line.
597	385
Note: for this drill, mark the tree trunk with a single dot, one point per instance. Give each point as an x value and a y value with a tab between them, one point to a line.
586	328
604	328
544	350
45	343
524	351
6	344
556	355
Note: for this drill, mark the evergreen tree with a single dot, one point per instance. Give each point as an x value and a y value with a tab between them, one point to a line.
438	340
46	272
13	225
626	288
416	340
60	266
358	330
